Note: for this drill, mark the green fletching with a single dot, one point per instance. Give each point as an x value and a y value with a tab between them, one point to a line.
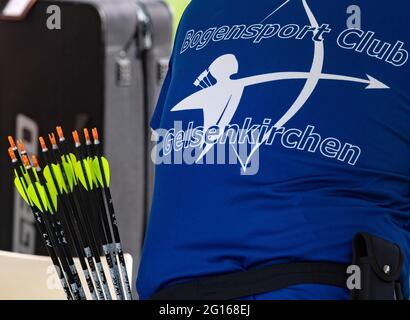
89	172
62	188
60	179
80	174
84	176
53	194
42	204
33	197
73	161
26	177
35	174
21	189
98	173
106	167
48	177
43	196
69	173
73	158
94	177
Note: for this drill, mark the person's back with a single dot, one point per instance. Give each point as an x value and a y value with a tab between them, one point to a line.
324	112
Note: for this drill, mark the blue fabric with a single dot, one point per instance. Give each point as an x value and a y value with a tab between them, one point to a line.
335	160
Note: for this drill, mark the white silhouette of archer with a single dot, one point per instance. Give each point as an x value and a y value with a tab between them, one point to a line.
220	101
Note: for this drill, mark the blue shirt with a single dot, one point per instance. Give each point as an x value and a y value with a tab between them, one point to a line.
283	129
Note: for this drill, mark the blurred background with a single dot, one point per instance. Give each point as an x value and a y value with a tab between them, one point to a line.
83	63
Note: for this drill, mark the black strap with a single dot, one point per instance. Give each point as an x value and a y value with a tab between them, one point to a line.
256	281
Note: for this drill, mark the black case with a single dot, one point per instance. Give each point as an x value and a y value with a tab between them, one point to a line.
103	68
381	264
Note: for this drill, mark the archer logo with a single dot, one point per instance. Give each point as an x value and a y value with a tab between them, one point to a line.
219	95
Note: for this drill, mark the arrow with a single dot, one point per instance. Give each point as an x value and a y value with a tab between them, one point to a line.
372	83
376	84
102	172
44	231
78	183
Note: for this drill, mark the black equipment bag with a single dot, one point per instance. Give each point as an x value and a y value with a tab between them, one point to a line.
381	264
83	63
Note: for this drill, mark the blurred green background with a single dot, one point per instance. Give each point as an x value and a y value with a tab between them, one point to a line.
178	7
